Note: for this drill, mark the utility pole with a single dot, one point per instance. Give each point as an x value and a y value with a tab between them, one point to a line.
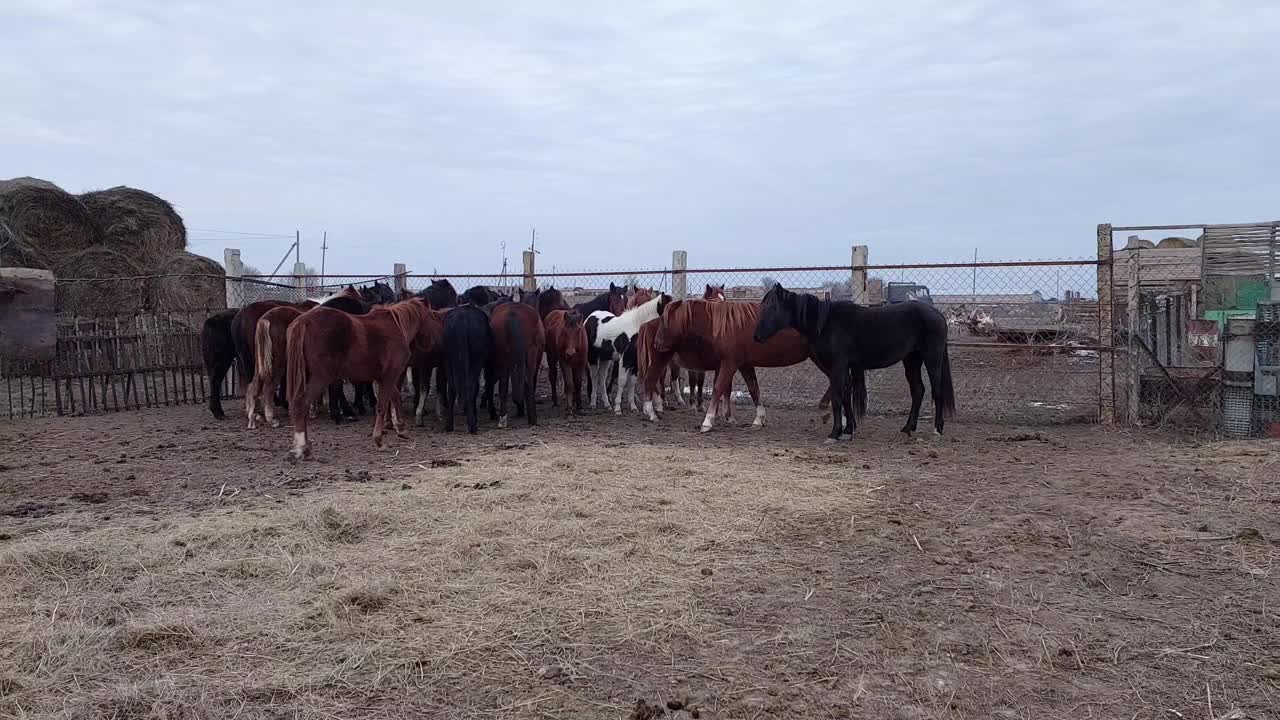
297	246
324	245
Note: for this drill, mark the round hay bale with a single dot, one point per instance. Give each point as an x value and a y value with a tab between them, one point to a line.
27	180
137	221
1176	242
90	284
191	289
40	226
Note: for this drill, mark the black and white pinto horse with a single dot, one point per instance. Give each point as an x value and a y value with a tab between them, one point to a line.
849	339
608	338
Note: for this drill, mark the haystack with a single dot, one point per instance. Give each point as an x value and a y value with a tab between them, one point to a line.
136	221
41	226
80	294
188	292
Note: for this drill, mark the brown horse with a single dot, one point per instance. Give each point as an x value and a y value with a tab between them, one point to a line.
269	363
326	344
518	340
718	336
655	387
243	329
566	351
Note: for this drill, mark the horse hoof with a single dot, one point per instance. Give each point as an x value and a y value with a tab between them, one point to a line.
829	441
502	423
846	437
705	429
275	423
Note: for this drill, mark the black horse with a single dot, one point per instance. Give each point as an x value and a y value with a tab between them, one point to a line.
850	339
544	300
468	341
379	293
440	294
219	351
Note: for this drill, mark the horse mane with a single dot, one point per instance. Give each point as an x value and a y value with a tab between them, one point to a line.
641	297
717	321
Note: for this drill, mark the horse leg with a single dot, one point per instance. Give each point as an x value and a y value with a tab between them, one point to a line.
934	367
394	403
269	407
531	389
450	403
753	387
838	378
504	389
552	367
490	379
473	386
312	391
442	390
911	364
217	374
622	384
723	384
382	408
251	402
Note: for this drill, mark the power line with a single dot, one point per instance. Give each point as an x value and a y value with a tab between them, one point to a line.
247	234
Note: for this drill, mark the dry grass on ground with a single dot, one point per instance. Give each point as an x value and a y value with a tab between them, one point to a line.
1064	573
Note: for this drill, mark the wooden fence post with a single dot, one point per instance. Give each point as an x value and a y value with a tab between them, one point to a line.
398	281
1106	330
679	280
530	280
300	280
235	269
858	275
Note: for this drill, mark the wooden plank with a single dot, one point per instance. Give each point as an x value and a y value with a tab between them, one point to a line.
28	328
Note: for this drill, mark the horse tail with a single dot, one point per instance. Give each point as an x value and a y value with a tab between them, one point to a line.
644	351
948	408
296	363
515	330
262	344
858	387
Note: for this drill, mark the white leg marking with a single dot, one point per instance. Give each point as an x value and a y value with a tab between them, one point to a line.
421	410
759	421
648	411
299	444
502	422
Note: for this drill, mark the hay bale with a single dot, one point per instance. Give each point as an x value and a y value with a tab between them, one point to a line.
28	181
40	226
136	221
191	291
80	294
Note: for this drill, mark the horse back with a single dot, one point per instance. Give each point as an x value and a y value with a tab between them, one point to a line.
881	336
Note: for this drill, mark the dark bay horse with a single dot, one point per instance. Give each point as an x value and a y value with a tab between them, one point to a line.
518	342
849	339
243	333
325	345
567	352
218	348
440	294
468	342
718	336
544	300
427	355
379	293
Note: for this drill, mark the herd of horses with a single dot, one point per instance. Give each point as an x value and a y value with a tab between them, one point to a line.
297	355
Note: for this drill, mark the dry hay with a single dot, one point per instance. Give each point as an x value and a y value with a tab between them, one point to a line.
97	297
136	221
182	283
42	226
26	181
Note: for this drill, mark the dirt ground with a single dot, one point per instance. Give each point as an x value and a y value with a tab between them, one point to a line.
161	564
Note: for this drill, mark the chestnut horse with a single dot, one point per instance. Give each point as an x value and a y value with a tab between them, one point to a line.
718	336
567	351
325	345
269	364
518	342
655	386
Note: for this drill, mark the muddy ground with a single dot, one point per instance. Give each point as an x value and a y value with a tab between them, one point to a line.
164	564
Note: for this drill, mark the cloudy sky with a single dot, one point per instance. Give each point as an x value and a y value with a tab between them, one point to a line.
743	132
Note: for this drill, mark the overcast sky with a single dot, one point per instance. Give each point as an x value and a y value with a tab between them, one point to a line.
745	133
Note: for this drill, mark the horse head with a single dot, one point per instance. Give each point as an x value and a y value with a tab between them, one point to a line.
714	293
641	297
782	309
671	321
441	294
617	299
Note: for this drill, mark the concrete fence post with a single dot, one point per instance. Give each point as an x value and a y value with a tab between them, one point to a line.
679	278
398	281
1106	330
300	280
235	270
530	279
858	275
